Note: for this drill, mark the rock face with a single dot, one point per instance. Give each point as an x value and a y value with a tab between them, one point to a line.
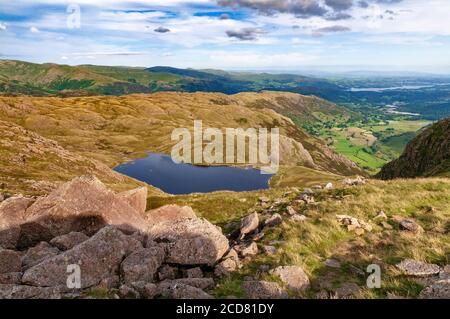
12	212
169	213
136	198
263	290
38	253
417	268
98	257
427	155
142	265
68	241
28	292
83	204
192	241
294	277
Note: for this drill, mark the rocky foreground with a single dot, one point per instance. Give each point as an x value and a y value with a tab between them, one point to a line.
124	251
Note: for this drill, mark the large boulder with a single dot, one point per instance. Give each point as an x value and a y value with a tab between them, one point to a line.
98	258
83	204
38	253
68	241
12	212
169	213
418	268
294	277
136	198
192	241
142	265
9	261
249	224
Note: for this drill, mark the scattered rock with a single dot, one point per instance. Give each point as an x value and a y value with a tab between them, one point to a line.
248	250
307	199
317	186
142	265
294	277
347	289
193	241
98	257
263	290
68	241
353	224
136	198
387	226
249	224
108	283
274	220
358	181
298	218
411	226
291	211
308	191
270	250
264	268
438	290
333	263
417	268
380	217
182	291
328	186
37	254
264	200
9	261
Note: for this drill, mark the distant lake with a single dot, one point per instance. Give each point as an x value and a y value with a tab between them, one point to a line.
160	171
403	87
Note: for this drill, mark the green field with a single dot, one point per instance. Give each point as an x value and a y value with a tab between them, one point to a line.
391	139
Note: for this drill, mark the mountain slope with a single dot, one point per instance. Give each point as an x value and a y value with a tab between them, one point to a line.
113	130
427	155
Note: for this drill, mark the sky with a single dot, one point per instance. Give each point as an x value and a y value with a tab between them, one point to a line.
285	35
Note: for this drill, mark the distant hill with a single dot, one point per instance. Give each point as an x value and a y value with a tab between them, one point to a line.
427	155
24	78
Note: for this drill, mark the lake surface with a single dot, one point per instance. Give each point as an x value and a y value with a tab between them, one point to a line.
160	171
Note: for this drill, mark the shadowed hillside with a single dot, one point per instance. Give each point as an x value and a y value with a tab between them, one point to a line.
427	155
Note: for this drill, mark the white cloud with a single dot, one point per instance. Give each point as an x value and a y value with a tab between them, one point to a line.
2	26
34	30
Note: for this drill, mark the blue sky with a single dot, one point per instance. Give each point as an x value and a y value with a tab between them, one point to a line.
290	35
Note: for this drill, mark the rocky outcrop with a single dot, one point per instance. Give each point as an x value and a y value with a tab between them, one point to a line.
136	198
427	155
191	241
142	265
99	257
83	204
169	213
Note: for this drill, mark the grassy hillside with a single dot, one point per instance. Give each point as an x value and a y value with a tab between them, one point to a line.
309	244
113	130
